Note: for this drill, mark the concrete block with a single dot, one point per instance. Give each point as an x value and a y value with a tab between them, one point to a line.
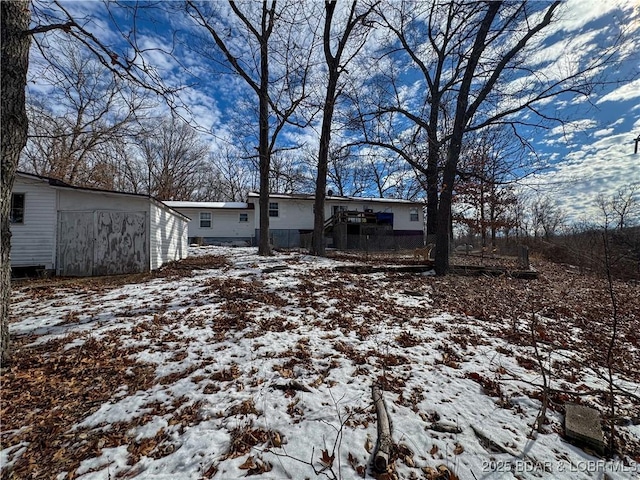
583	425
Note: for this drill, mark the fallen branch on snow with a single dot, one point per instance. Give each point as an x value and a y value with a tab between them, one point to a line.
385	443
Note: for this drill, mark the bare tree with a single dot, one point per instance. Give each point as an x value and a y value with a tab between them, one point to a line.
337	57
250	55
233	173
176	160
611	215
129	172
489	167
624	206
546	217
77	121
342	172
473	57
431	35
288	174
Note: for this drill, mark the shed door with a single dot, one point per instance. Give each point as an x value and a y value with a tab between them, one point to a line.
121	243
75	243
102	243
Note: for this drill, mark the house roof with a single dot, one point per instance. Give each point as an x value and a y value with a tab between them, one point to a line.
305	196
54	182
213	205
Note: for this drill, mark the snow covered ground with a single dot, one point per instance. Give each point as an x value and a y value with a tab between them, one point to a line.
245	365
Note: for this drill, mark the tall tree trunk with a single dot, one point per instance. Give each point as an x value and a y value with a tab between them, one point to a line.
483	217
461	120
317	245
264	246
444	220
433	154
15	63
432	189
334	67
323	161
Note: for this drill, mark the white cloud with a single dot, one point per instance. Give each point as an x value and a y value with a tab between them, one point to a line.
564	52
602	167
568	130
603	133
577	13
626	92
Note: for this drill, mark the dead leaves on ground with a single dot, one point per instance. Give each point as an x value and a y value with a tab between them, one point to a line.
244	438
238	291
158	446
255	466
49	388
327	459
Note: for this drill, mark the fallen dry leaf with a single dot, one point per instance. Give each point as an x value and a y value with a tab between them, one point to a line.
248	464
326	458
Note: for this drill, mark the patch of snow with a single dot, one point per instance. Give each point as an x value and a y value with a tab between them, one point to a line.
333	335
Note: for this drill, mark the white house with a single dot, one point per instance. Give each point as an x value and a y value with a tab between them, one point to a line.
351	221
83	231
401	222
218	223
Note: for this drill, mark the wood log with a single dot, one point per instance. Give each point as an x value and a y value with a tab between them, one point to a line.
382	453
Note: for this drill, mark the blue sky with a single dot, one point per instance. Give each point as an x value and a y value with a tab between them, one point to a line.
593	153
589	155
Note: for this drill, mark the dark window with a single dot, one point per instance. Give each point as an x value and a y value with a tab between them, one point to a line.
17	208
273	209
413	215
205	220
244	217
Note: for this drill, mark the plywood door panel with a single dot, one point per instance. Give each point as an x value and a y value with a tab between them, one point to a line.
102	243
75	243
121	243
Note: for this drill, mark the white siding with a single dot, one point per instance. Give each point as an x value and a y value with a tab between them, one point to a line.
33	242
168	236
292	214
79	200
224	222
402	217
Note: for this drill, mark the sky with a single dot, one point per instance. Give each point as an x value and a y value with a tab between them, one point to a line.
594	153
590	154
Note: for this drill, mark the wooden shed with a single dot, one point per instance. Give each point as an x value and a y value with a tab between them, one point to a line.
78	231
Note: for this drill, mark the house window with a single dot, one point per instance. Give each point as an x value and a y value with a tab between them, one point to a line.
413	214
273	209
17	208
205	220
244	217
